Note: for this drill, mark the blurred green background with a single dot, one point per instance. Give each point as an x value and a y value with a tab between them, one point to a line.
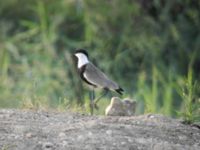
150	47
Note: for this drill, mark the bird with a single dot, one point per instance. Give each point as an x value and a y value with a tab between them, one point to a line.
94	77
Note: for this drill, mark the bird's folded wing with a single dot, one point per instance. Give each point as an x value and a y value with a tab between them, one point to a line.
98	78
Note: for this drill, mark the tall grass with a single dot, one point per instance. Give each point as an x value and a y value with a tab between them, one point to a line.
191	103
160	95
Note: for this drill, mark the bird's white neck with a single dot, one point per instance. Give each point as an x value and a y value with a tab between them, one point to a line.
82	60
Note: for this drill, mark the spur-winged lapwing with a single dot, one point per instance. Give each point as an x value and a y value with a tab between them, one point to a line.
94	76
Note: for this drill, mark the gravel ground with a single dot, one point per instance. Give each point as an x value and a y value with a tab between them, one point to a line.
39	130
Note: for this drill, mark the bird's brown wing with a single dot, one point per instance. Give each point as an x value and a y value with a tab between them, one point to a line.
98	78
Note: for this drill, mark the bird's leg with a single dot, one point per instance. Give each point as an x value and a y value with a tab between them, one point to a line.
97	100
92	97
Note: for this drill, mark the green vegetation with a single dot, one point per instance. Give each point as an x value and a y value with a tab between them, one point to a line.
191	101
149	47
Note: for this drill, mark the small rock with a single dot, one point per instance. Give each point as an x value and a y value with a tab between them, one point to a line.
90	133
29	135
118	107
151	116
115	108
47	145
80	137
109	132
130	140
141	140
130	106
64	143
62	134
123	143
182	138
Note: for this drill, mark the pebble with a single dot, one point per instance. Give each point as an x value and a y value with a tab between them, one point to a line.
80	137
90	133
182	137
29	135
62	135
109	132
64	143
47	145
123	143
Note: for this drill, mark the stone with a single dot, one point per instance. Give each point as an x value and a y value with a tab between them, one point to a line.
47	145
118	107
130	106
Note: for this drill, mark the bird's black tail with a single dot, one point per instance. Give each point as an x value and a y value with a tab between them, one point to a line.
119	90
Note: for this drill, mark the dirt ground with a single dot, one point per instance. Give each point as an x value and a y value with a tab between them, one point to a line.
39	130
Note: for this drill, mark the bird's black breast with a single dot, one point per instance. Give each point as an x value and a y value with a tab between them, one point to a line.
81	72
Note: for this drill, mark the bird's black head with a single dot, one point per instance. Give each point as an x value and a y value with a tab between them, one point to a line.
81	51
